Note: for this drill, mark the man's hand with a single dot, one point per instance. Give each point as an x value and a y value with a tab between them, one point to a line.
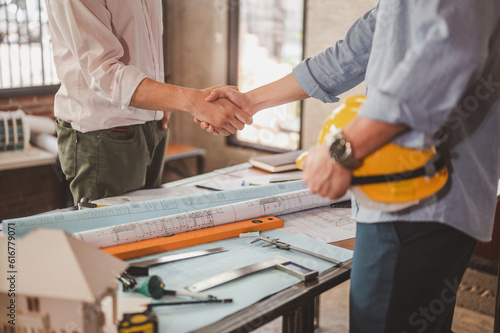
234	95
230	93
325	177
222	116
165	119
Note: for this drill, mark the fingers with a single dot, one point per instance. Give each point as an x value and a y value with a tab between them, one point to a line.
221	131
243	117
214	95
222	115
165	119
210	89
234	95
213	130
229	127
234	118
324	177
209	128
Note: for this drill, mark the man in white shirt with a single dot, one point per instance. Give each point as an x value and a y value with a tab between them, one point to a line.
112	107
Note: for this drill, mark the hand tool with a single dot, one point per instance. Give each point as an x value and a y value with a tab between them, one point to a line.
155	288
143	322
128	282
285	246
281	263
85	204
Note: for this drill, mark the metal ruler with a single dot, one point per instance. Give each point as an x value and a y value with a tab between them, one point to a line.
141	267
283	264
176	257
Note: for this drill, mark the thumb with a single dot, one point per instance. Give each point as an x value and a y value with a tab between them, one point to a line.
214	95
165	119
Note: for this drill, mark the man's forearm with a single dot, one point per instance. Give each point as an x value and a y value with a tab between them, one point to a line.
153	95
226	117
366	135
282	91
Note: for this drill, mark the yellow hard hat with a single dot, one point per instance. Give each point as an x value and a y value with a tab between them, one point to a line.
393	177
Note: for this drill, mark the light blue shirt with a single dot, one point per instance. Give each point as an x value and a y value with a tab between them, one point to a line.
425	62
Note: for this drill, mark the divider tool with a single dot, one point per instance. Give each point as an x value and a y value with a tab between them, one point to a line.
286	246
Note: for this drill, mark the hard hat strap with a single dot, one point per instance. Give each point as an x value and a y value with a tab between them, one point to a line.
433	166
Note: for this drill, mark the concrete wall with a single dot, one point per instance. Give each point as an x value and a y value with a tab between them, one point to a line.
196	56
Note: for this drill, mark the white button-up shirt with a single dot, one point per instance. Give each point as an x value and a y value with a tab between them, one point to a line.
103	49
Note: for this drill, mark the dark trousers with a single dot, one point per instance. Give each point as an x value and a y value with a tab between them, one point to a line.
405	276
111	162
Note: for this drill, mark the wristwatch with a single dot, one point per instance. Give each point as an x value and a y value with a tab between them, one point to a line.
341	151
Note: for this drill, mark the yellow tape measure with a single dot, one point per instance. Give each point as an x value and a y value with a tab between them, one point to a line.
143	322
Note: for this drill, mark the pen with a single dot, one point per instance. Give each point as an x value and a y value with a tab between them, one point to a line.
211	300
208	188
283	180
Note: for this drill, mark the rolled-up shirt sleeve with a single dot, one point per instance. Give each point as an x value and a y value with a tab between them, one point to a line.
417	56
340	67
85	27
449	44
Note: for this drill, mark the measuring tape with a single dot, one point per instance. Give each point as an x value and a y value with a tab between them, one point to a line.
143	322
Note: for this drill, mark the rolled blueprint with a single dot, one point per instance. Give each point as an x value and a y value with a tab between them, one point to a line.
45	141
204	218
88	219
40	124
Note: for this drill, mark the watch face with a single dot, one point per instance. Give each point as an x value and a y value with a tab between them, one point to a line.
341	152
338	148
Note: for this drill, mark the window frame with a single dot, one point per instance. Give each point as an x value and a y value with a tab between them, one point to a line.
28	91
32	88
232	79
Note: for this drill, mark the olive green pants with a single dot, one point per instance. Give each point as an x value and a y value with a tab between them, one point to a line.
111	162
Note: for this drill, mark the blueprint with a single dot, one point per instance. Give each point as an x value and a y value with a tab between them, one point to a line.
83	220
203	218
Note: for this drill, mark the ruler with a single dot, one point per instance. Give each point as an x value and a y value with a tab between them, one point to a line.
176	257
141	267
190	238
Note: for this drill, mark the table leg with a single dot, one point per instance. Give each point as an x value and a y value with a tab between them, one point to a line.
496	327
301	319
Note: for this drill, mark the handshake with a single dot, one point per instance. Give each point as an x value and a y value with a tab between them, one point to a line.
229	110
219	110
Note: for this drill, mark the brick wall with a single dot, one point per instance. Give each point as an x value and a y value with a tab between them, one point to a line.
41	105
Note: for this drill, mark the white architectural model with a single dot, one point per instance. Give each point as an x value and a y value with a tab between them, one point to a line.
55	283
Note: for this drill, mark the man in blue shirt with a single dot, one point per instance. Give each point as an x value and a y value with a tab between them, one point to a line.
428	66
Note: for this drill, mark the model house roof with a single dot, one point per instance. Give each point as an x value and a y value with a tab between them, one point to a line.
51	263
